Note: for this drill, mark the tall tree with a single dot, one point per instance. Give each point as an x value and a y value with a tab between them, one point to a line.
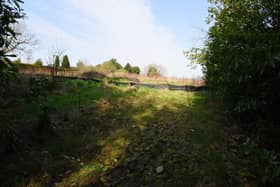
127	67
10	13
65	62
56	62
242	57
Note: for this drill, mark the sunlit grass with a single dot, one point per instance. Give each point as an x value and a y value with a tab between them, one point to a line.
114	125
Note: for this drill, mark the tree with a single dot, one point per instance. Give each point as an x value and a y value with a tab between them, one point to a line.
132	69
10	13
127	67
38	62
241	57
109	66
55	51
154	70
65	62
24	42
135	69
56	62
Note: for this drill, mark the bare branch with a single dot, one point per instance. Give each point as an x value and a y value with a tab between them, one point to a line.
23	42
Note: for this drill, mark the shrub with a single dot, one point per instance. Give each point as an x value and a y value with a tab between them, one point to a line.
40	86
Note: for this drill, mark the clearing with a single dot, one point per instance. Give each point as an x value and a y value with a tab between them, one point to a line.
95	134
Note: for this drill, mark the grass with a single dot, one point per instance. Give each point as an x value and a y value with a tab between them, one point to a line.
116	136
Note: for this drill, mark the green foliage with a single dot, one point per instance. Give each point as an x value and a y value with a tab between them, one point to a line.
242	65
135	69
65	62
144	129
266	165
242	57
109	66
10	13
40	86
153	71
132	69
44	122
56	62
127	67
38	62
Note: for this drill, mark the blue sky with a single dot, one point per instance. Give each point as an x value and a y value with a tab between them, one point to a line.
141	32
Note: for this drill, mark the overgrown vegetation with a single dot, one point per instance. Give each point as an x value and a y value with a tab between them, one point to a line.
242	58
10	13
86	133
62	132
242	65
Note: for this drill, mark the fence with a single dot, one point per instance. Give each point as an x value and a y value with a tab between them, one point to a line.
96	76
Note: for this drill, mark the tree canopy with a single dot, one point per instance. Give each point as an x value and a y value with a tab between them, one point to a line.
154	70
132	69
10	13
56	61
65	62
110	65
38	62
135	69
242	56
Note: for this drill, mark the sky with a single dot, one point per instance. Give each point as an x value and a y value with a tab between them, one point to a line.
140	32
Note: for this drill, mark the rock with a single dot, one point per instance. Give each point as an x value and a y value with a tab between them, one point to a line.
159	169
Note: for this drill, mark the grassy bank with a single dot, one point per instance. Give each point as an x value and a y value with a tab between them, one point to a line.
103	135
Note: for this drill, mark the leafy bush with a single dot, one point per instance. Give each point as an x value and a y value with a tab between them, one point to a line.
10	140
266	166
40	86
242	58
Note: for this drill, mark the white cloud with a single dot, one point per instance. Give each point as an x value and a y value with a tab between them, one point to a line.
123	29
51	36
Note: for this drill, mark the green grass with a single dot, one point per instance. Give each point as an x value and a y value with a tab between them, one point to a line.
118	136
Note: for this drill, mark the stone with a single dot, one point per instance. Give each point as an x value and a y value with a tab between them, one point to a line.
159	169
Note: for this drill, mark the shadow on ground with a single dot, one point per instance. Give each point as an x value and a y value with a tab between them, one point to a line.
116	136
